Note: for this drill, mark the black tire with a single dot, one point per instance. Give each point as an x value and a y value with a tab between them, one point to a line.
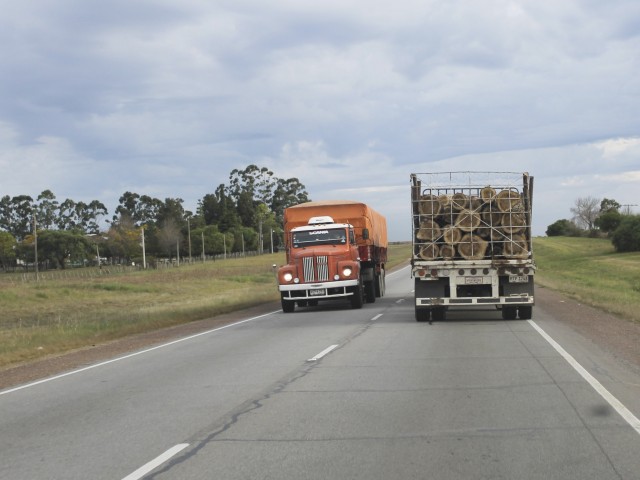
380	284
288	306
423	314
357	299
370	291
439	314
525	312
509	313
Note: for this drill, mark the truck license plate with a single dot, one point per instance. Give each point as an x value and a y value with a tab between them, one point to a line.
317	292
518	279
473	280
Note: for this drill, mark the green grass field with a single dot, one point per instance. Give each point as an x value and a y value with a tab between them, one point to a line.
589	270
69	310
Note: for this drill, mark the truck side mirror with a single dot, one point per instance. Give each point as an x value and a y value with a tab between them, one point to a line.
365	233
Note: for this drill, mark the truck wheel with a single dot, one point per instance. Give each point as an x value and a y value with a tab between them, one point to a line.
422	314
370	291
439	314
509	313
380	284
357	298
288	307
525	312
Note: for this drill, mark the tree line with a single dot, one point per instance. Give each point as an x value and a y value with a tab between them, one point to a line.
238	216
606	217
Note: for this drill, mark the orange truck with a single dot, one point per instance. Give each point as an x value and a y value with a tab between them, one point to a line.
335	250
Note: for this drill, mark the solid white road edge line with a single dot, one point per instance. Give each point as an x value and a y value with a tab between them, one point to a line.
323	353
624	412
156	462
101	364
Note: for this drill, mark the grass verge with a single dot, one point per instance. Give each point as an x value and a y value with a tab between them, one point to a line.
590	271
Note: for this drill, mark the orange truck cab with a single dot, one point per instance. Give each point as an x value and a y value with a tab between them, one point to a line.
334	250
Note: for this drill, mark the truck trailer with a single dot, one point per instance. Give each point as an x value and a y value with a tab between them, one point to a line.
334	250
472	243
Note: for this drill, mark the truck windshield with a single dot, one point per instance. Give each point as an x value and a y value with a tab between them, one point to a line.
319	237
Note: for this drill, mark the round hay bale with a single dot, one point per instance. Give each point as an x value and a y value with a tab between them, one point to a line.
487	194
509	200
451	235
468	220
448	252
429	205
513	222
472	247
429	231
431	251
517	247
459	201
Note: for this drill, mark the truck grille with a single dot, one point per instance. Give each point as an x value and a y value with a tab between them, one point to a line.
316	269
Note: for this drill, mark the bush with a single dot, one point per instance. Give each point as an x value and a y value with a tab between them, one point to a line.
626	237
609	221
564	228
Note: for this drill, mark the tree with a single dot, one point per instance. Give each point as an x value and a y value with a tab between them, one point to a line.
59	246
142	210
608	205
608	221
169	237
124	238
219	209
287	193
626	238
8	247
16	215
214	240
586	211
47	210
88	215
258	182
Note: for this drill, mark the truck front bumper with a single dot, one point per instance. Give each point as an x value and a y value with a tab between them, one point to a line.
317	291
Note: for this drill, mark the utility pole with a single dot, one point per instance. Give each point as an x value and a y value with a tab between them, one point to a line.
629	205
202	236
35	243
189	235
144	256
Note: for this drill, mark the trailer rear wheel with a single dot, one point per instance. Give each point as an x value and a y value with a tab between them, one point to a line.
422	314
439	314
525	312
509	313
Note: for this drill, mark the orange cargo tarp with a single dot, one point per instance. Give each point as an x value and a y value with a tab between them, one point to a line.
357	214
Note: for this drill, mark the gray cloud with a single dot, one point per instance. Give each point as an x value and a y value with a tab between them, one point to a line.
167	98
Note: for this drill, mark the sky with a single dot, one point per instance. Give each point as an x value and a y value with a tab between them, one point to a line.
166	98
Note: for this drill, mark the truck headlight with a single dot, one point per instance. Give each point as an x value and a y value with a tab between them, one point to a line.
346	271
287	277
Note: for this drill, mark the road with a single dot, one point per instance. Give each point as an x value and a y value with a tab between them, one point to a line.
337	393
